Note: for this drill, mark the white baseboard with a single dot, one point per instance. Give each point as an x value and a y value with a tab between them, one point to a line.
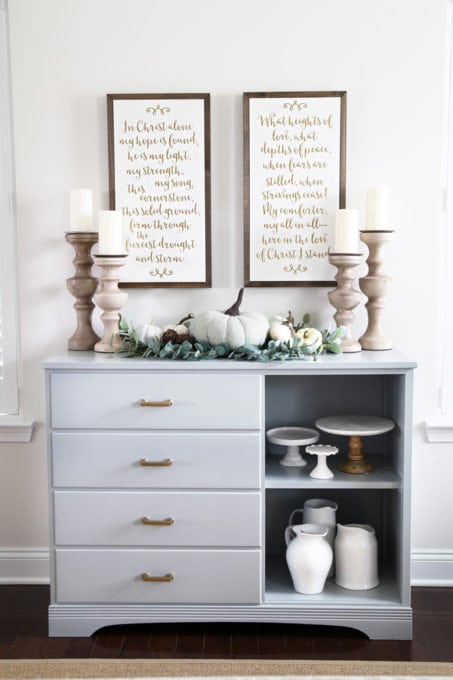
24	565
432	568
31	565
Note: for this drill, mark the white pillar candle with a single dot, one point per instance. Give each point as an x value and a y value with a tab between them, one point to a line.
347	231
377	208
110	233
81	210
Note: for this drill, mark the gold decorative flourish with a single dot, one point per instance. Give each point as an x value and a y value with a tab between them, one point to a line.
295	269
161	273
295	105
158	109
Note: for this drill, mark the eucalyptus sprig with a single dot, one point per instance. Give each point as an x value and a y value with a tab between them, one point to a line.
273	350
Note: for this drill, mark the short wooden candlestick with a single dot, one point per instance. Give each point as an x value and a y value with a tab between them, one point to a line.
82	286
344	297
110	299
374	285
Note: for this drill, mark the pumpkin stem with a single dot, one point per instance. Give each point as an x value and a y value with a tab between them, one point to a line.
290	319
234	309
186	318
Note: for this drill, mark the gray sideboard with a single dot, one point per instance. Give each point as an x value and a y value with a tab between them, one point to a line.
168	504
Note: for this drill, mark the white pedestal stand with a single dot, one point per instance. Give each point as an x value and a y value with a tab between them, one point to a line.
321	471
293	438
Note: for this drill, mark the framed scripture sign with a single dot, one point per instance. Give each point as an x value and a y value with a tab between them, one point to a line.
159	175
294	181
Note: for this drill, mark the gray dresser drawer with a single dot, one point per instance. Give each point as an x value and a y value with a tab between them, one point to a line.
198	401
194	576
194	460
160	518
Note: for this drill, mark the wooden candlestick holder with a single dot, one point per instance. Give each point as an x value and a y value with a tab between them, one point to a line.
82	286
110	299
344	297
374	285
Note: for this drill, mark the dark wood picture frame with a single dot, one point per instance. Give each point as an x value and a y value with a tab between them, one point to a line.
283	133
155	138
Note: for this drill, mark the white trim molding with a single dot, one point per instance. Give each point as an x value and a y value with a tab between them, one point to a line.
9	321
439	429
432	568
15	429
24	565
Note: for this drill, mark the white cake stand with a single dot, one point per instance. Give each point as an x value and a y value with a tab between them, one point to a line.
355	427
321	471
292	438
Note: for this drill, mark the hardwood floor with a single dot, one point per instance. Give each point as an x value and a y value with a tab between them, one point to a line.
23	634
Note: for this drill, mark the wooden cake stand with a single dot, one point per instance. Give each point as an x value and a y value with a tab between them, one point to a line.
355	427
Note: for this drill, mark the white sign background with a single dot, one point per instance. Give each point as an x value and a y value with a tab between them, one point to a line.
294	188
159	183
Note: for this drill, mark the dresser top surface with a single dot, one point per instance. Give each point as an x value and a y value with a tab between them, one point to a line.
389	360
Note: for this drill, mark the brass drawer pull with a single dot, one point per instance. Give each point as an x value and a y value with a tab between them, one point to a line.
164	402
157	579
166	462
158	522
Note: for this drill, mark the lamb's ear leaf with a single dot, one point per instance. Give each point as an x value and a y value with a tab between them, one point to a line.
333	347
124	326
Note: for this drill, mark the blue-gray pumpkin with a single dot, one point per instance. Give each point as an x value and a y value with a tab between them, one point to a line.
231	327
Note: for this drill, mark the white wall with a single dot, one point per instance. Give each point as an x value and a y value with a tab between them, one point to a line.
68	54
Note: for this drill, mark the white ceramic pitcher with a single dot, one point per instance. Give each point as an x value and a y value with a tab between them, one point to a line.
323	512
356	557
308	556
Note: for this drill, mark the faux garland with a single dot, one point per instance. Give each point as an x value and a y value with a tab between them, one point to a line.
189	350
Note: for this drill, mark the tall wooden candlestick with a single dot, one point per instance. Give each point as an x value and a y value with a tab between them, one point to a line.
82	286
375	285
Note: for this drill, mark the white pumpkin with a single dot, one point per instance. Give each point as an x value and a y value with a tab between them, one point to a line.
310	336
280	331
147	331
231	326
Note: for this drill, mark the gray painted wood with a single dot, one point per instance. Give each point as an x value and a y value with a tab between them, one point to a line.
198	459
227	407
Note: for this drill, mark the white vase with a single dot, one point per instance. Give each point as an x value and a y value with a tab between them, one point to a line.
309	557
356	557
323	512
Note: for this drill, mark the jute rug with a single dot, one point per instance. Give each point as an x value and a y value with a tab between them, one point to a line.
92	669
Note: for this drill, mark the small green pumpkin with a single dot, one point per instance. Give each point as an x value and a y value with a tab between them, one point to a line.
232	326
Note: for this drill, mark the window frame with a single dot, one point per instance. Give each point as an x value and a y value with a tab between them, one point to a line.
439	428
13	427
